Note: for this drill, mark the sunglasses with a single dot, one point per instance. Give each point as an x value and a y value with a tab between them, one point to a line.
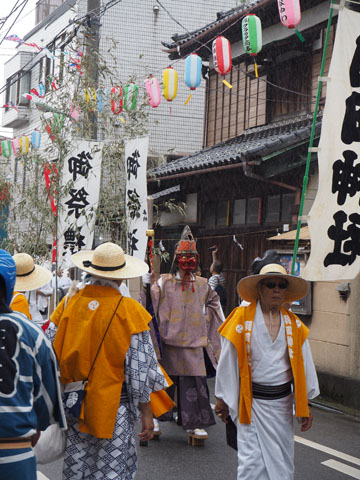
281	285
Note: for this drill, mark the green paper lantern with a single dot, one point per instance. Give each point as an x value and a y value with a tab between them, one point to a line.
251	34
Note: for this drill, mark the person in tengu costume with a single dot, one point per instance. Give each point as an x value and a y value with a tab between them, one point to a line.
188	313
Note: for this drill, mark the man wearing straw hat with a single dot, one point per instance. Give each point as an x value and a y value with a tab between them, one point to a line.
30	398
100	331
30	278
265	366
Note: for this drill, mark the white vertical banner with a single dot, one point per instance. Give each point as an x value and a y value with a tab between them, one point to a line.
81	173
136	152
334	219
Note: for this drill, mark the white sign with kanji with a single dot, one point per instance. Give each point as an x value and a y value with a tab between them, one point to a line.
334	219
136	152
76	210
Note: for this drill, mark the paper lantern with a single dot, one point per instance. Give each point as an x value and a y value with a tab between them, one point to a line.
24	144
222	55
6	148
116	100
193	65
153	90
15	145
251	34
36	139
130	96
290	13
170	81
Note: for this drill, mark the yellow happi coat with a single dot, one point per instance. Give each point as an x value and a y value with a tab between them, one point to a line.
19	303
81	327
238	328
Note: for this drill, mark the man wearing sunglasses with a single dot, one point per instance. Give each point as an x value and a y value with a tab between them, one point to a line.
265	370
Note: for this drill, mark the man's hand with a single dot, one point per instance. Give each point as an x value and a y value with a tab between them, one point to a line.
221	410
306	422
147	422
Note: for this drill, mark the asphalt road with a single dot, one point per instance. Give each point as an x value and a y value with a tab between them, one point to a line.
329	451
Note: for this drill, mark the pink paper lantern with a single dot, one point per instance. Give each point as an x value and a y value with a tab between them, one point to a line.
222	55
290	13
153	89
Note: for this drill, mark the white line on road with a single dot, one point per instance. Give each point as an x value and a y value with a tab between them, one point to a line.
341	467
330	451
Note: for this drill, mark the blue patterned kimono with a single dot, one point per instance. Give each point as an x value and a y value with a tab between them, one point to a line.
30	398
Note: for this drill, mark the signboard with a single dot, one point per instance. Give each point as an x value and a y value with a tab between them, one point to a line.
334	219
136	152
81	173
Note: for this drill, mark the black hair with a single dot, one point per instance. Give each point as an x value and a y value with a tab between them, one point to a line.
217	266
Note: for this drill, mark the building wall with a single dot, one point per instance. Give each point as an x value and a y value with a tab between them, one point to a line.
174	127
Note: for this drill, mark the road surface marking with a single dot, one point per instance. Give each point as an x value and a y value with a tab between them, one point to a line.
341	467
329	451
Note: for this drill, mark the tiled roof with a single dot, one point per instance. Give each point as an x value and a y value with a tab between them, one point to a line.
223	18
254	143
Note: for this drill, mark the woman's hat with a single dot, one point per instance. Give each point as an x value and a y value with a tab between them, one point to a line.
248	286
108	260
28	275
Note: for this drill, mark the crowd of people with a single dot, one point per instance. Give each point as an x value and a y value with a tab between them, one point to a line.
124	360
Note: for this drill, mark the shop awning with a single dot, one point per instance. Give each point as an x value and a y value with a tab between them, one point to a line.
304	235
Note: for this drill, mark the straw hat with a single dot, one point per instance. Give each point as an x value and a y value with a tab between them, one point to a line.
297	286
28	275
109	261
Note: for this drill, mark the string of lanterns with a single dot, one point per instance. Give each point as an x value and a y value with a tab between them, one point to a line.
126	99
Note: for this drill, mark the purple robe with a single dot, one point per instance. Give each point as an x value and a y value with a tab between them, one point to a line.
188	321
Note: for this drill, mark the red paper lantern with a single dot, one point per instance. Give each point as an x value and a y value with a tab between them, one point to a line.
290	13
222	55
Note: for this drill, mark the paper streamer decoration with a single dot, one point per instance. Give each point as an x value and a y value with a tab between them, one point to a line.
116	100
6	148
153	90
130	96
102	98
170	81
221	51
36	139
193	66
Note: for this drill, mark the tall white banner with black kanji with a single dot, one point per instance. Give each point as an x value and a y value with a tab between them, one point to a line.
334	219
136	152
76	210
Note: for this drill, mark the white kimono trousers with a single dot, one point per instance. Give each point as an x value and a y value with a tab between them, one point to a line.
266	446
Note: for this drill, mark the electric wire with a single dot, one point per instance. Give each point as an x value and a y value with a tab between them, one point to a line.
18	15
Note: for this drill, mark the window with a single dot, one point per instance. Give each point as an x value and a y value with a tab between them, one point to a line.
16	86
216	213
284	99
253	210
287	201
239	214
272	214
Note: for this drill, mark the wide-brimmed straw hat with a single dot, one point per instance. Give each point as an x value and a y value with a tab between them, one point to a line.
28	275
108	260
297	287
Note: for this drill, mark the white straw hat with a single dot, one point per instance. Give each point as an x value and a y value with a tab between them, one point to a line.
28	275
108	260
248	286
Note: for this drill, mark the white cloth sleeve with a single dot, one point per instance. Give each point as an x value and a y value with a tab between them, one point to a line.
312	384
227	385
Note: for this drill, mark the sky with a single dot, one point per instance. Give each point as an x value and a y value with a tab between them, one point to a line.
23	24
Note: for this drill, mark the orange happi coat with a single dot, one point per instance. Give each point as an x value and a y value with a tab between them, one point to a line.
81	327
237	329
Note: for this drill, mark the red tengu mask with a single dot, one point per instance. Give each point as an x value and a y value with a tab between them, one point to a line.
187	263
